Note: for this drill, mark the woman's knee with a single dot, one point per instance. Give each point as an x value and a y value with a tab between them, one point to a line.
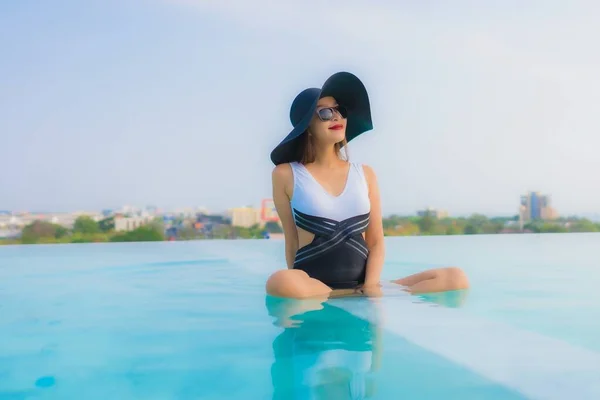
294	283
456	278
286	283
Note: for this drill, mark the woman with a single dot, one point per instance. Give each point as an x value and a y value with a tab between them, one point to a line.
329	208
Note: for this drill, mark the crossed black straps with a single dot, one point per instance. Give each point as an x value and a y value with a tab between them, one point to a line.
336	233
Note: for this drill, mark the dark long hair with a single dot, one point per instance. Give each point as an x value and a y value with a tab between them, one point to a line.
305	152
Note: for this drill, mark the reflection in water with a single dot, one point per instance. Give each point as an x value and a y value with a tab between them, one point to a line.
451	299
323	352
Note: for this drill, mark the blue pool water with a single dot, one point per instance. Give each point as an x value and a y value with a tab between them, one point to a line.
189	320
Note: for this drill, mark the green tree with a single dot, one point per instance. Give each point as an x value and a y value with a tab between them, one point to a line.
89	238
454	229
273	227
85	225
533	226
42	230
188	233
222	232
427	224
471	229
392	222
492	227
478	220
60	232
107	224
583	225
549	227
145	233
253	232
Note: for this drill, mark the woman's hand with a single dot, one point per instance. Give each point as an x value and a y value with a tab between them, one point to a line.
371	290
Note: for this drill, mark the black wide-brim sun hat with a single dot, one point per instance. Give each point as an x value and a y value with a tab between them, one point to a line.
348	91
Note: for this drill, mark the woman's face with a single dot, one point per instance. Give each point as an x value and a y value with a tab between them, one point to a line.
330	131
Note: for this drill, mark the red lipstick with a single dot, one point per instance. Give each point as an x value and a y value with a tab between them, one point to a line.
336	127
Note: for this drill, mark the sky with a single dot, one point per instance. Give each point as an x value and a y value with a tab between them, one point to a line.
179	103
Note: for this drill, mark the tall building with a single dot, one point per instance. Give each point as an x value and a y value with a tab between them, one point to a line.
535	206
245	216
268	211
432	212
549	213
130	223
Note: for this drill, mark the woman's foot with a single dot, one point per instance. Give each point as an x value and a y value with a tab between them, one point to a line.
435	280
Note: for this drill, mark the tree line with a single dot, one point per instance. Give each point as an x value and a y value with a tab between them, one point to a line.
396	225
87	230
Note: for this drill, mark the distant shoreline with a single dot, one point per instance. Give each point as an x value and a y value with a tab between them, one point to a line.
276	237
88	230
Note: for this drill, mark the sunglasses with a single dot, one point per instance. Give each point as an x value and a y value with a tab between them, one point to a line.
327	114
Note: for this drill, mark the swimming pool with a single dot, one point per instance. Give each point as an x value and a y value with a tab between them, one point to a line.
189	320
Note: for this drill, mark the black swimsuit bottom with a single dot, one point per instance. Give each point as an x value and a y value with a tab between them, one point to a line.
338	254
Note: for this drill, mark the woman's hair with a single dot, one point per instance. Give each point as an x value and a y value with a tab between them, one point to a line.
306	149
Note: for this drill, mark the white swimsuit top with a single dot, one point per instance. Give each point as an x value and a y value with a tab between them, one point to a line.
310	198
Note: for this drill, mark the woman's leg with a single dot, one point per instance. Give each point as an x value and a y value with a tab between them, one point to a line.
435	280
295	283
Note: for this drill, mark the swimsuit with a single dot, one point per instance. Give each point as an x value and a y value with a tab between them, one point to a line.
338	254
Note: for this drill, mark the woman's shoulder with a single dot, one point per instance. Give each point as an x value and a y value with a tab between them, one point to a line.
282	173
368	173
366	168
283	168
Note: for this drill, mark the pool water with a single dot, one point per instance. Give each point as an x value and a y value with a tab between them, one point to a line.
190	320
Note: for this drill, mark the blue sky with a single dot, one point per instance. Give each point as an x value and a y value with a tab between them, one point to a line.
179	102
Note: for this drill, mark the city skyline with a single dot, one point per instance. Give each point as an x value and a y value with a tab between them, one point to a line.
520	212
179	102
536	215
532	205
178	208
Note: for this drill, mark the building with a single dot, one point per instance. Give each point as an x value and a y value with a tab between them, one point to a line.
245	217
66	220
548	214
536	206
10	226
249	216
131	223
432	212
268	213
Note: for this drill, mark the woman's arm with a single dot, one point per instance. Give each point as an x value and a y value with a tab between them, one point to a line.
283	180
374	233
